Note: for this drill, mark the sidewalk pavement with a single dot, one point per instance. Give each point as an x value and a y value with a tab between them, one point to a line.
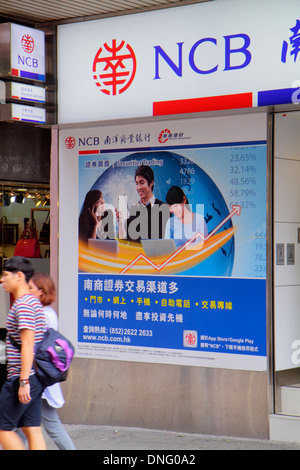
113	438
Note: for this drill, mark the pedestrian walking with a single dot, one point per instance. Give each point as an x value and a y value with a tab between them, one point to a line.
20	397
42	287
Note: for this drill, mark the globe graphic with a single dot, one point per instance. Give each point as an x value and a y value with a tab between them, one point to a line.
171	169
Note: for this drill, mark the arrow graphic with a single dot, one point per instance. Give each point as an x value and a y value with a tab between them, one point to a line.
236	210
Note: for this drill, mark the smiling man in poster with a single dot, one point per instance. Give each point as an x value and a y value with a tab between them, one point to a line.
148	218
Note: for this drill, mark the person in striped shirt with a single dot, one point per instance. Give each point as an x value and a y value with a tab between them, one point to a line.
20	397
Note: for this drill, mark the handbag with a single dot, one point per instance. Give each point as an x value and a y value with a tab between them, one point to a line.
28	248
45	230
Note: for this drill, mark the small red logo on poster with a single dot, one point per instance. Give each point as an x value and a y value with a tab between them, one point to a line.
114	67
164	135
70	142
27	43
190	339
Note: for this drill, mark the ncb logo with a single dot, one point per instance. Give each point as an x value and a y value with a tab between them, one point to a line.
70	142
114	67
27	43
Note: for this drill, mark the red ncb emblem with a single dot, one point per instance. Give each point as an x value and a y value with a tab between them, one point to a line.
190	339
114	67
27	43
70	142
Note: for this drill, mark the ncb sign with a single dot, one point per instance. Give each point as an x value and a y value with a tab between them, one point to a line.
27	53
22	52
202	57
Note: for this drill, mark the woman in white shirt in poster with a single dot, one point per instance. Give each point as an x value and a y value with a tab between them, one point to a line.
184	224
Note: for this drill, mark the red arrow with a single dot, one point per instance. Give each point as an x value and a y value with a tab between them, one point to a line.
236	210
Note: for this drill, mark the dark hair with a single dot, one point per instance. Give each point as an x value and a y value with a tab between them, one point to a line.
19	264
147	173
175	195
44	283
91	197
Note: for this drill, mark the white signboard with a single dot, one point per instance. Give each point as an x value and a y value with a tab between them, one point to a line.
25	113
217	55
27	53
22	91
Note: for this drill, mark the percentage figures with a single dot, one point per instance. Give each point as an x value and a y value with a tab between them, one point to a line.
244	204
242	181
239	170
243	157
243	193
246	183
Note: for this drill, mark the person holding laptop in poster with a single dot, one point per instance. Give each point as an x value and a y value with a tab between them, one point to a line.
184	224
147	219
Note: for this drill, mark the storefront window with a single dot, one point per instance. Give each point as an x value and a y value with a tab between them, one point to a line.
25	215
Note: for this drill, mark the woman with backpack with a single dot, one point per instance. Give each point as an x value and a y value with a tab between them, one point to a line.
42	286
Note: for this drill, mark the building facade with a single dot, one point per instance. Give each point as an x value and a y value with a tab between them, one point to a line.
201	336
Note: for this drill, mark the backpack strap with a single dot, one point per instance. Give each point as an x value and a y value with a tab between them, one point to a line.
18	346
14	343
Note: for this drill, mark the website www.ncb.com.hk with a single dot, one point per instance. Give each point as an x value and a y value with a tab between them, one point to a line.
114	339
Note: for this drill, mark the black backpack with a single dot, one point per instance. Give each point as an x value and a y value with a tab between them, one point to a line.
52	357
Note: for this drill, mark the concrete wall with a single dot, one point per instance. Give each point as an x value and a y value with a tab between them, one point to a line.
175	398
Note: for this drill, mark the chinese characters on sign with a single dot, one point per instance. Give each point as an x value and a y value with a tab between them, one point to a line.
143	312
294	42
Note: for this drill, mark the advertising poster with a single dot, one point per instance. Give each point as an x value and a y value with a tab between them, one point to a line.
171	225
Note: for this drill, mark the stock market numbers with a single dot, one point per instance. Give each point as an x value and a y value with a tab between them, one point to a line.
247	188
243	181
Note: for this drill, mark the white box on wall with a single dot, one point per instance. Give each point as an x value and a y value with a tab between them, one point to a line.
287	274
4	307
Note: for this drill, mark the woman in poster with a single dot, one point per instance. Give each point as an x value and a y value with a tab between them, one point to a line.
184	224
94	220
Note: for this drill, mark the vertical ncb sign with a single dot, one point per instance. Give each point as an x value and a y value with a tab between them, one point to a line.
27	53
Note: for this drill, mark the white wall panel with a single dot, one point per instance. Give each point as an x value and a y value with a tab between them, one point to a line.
287	326
286	224
287	137
287	190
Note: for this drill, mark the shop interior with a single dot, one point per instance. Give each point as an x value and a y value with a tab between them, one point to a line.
25	214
